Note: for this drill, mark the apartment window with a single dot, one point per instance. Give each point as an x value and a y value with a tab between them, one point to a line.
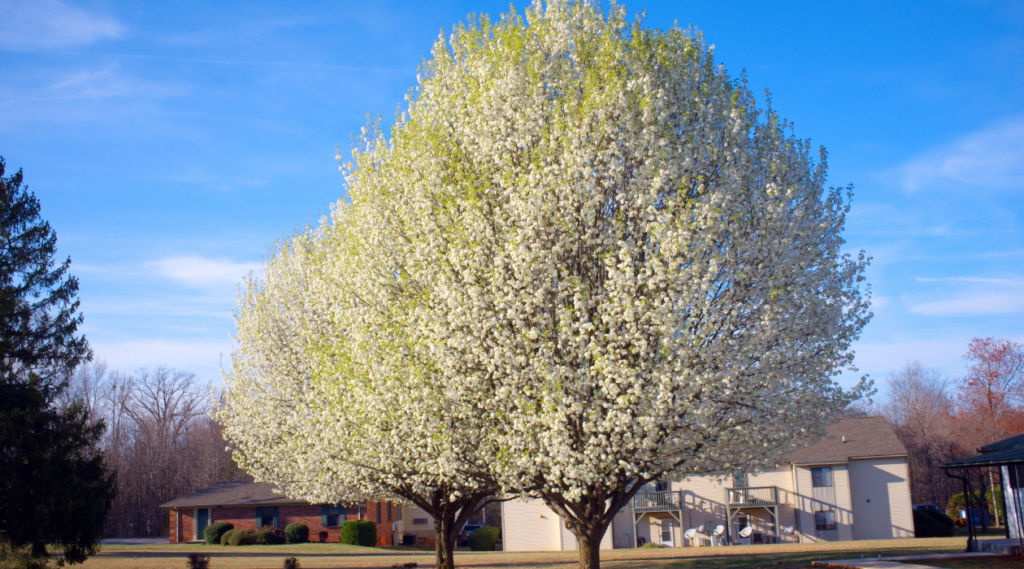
824	520
740	480
332	516
399	512
662	486
419	522
821	477
378	518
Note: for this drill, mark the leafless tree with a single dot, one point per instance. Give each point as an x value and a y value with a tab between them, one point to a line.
921	410
160	440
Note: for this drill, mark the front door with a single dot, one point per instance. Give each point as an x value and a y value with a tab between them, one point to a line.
202	520
666	532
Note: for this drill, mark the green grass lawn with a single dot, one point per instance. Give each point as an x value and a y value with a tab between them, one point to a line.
322	556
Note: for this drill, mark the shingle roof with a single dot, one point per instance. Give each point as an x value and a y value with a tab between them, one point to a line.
851	438
1007	451
1006	444
234	493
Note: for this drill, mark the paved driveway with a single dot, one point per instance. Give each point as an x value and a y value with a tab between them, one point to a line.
134	541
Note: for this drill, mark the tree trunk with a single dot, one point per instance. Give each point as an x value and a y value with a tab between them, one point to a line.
445	534
590	549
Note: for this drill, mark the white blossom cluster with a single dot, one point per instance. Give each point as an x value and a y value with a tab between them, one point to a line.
582	259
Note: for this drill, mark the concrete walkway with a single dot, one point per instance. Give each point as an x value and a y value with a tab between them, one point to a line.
901	562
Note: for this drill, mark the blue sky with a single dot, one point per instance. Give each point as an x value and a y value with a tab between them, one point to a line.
172	143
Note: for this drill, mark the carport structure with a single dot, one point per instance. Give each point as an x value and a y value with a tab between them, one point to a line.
1007	456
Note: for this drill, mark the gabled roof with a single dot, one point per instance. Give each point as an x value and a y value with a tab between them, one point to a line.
860	437
235	493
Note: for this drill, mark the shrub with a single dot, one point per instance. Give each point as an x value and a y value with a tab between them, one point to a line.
359	532
929	523
291	562
652	545
484	538
198	560
214	532
227	535
323	536
267	535
296	533
239	537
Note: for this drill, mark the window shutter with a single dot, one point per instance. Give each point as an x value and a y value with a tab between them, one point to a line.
275	517
323	515
259	518
341	514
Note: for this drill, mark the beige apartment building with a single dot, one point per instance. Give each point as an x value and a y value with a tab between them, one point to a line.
852	484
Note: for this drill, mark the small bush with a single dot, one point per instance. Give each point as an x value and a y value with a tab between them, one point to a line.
239	537
296	533
484	538
359	532
652	545
267	535
291	562
323	536
929	523
214	532
198	560
227	535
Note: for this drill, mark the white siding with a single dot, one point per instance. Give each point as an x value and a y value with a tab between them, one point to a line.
880	491
843	504
529	525
622	529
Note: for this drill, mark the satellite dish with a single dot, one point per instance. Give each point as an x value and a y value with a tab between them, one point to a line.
719	530
700	528
690	533
745	532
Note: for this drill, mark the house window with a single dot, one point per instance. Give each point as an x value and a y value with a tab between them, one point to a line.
824	520
334	514
661	486
419	522
266	516
821	477
378	518
398	507
390	515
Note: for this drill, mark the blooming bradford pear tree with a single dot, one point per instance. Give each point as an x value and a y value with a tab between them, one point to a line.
591	223
330	401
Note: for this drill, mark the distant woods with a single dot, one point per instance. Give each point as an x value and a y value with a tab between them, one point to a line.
160	440
940	419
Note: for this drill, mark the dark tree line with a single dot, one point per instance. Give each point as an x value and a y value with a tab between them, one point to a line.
160	440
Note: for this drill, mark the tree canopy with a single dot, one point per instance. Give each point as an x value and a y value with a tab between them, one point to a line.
39	315
585	237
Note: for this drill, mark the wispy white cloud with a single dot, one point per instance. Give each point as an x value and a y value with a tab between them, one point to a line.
41	24
202	272
990	158
973	296
106	83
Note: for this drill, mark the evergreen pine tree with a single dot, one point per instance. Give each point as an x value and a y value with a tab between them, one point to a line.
54	490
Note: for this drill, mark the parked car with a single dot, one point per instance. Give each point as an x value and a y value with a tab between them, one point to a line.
463	539
931	507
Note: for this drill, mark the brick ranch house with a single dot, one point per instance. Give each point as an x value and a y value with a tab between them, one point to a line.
251	505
